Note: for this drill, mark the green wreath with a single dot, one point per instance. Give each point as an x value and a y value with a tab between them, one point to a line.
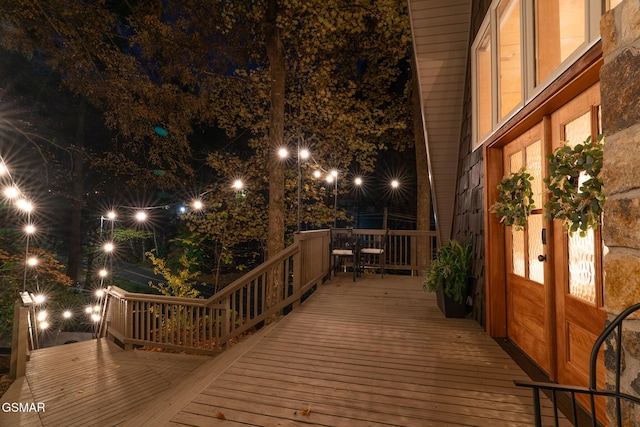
579	209
515	199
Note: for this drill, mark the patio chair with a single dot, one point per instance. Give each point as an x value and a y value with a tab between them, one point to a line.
372	251
344	245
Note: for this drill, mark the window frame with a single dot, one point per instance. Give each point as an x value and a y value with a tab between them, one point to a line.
593	13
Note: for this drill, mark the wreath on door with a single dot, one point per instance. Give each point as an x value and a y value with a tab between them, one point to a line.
515	199
576	201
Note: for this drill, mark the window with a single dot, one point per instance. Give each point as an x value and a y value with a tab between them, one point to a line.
509	56
521	48
484	105
559	31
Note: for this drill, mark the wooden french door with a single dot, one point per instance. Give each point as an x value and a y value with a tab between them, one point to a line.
529	302
578	260
554	280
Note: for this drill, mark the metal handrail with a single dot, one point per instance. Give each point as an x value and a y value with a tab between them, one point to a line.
613	329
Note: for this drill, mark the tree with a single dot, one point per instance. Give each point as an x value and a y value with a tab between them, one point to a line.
328	70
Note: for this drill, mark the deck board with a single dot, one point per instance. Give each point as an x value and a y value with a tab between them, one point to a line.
376	352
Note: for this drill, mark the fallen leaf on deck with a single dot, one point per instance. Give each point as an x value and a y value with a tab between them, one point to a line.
220	416
306	411
79	391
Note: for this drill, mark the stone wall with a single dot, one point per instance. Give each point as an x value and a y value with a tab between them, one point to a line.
469	210
620	95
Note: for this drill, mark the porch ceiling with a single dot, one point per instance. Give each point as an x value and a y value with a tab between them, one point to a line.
440	31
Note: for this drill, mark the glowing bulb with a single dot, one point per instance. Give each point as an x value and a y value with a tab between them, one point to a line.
11	192
96	308
238	184
39	299
283	153
99	293
197	205
29	229
111	215
32	262
42	315
103	273
329	179
141	216
358	181
304	154
317	173
44	325
108	247
95	317
67	314
88	310
334	173
24	205
395	183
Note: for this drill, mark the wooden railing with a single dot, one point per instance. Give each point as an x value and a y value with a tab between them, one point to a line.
406	250
207	325
23	338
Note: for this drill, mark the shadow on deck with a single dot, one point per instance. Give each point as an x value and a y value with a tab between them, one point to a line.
376	352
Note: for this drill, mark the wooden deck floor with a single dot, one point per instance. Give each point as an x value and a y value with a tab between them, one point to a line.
376	352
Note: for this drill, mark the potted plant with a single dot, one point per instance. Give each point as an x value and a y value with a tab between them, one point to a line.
449	276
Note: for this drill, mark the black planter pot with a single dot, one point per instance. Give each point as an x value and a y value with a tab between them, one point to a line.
448	306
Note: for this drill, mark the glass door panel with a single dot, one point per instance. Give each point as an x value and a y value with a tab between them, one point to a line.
582	268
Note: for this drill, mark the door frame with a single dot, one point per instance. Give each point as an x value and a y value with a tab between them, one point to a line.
583	74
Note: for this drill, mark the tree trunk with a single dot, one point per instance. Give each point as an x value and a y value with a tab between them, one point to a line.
277	73
77	195
422	168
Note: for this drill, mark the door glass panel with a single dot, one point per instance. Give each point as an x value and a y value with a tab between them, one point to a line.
582	267
581	249
517	245
613	3
534	229
533	156
516	162
560	30
483	84
534	167
509	56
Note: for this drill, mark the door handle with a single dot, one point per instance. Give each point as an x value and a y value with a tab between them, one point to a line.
542	258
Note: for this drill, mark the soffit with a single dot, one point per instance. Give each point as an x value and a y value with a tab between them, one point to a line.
440	30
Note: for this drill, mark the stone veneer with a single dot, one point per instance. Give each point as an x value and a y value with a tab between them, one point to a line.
620	95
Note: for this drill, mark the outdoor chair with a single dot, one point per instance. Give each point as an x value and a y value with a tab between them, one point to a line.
372	251
344	245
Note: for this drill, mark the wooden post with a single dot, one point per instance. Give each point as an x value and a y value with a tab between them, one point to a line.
18	362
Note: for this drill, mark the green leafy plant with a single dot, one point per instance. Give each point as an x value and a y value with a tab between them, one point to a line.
451	269
577	204
515	199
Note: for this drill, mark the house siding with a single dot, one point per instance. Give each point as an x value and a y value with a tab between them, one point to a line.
469	202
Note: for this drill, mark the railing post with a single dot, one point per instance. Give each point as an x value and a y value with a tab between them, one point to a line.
128	325
299	272
18	364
